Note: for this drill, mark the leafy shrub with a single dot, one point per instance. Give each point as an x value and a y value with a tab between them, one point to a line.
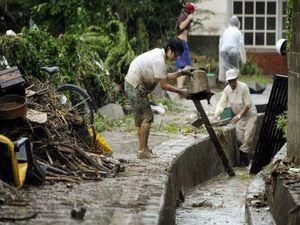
205	62
77	60
282	123
250	68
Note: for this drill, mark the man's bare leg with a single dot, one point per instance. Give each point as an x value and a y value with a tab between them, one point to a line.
144	135
138	132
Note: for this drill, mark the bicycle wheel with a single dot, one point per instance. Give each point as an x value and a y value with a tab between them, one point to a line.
78	103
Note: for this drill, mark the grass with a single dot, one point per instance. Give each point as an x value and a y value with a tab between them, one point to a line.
127	124
261	79
177	128
105	124
245	177
282	123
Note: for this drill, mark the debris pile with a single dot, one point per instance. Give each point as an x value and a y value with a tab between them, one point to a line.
62	143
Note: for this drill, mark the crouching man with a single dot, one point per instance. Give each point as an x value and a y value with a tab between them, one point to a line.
237	96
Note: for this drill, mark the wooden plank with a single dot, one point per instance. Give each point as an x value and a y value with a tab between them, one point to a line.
10	77
214	138
12	83
9	70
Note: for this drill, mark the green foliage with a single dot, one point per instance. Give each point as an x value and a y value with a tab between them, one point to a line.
177	128
62	16
245	176
282	123
142	38
260	79
77	35
171	127
205	62
30	50
120	54
250	68
291	4
77	61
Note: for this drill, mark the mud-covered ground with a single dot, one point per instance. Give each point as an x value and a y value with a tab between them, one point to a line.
103	200
218	201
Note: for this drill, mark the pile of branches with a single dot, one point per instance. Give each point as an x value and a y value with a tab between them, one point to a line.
61	145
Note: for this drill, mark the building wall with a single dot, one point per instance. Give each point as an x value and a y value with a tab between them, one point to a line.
214	24
270	62
206	40
202	45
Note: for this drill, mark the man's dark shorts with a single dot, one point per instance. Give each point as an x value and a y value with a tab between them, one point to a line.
139	103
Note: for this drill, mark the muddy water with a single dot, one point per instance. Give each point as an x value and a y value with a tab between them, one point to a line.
218	201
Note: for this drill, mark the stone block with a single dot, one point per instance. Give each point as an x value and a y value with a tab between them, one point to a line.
297	6
294	116
294	62
295	46
112	111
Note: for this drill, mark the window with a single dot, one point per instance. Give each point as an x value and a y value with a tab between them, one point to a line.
262	21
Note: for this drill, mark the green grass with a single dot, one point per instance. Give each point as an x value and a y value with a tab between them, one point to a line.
261	79
245	177
282	123
105	124
177	128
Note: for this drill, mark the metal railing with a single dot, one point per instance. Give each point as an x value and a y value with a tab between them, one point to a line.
271	139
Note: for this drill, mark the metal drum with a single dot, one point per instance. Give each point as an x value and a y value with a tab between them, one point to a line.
12	106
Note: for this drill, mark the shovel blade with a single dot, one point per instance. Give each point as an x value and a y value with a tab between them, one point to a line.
197	123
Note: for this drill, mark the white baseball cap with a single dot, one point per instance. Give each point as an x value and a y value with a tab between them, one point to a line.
231	74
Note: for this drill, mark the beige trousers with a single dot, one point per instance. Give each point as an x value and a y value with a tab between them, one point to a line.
245	130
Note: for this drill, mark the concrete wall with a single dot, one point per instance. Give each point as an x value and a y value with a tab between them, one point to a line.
195	164
294	91
205	46
214	24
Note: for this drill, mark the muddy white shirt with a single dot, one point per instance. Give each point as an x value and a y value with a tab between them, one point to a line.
148	69
237	99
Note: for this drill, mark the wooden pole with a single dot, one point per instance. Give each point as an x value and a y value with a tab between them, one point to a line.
214	138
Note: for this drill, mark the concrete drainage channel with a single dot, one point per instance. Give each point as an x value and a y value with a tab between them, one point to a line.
194	164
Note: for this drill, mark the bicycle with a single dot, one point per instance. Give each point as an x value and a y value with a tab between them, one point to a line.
69	104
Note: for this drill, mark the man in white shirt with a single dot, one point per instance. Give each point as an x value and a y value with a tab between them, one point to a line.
145	72
231	48
237	96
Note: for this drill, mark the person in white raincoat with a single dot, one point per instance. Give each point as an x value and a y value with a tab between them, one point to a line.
231	48
237	96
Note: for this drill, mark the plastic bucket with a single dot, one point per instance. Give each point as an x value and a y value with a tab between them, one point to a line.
212	79
227	113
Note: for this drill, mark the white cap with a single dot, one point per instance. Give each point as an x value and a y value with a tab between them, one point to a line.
231	74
